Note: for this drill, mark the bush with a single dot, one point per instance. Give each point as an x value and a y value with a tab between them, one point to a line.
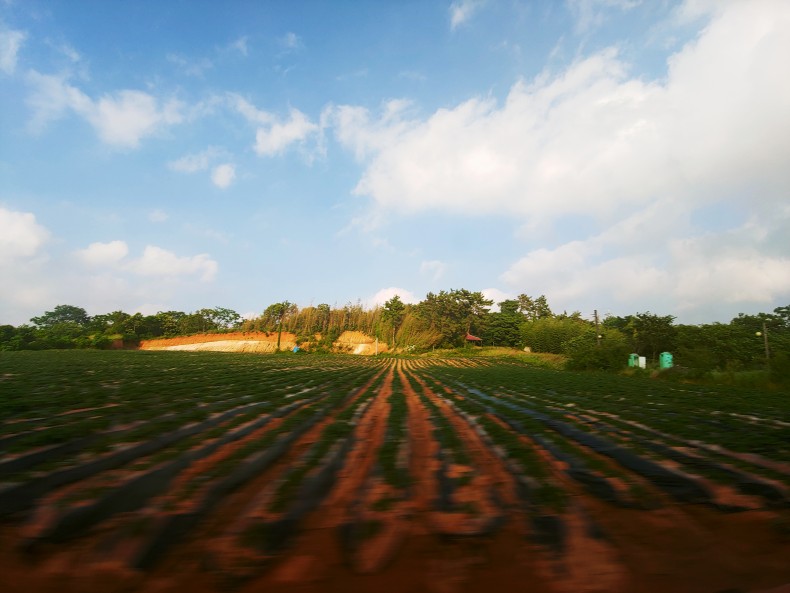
780	368
585	354
550	334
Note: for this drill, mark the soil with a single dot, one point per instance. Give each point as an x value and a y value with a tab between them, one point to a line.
415	545
351	342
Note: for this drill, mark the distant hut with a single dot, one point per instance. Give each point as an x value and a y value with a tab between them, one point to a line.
474	340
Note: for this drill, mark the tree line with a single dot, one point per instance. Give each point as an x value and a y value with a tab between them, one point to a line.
442	320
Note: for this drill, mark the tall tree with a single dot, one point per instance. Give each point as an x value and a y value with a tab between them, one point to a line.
62	314
393	313
455	313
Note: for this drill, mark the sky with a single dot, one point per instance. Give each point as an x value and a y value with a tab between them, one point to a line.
622	156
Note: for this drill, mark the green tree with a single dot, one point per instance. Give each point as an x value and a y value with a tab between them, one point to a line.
533	309
586	352
62	314
504	327
549	334
64	327
453	314
653	333
393	313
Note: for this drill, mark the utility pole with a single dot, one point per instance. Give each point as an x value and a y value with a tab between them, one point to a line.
764	334
597	332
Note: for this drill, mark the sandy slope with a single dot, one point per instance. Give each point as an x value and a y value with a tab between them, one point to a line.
349	341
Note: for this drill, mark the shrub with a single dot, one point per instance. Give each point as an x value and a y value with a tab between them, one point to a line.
584	352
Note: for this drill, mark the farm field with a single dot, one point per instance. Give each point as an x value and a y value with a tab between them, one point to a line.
160	471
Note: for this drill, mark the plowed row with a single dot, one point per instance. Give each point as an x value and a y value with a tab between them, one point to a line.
338	473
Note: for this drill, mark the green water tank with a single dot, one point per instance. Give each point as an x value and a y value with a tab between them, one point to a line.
665	360
633	360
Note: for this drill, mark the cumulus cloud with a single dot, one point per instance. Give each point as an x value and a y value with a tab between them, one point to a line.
103	254
274	135
10	44
120	119
592	140
22	259
277	137
20	235
223	175
641	157
249	111
685	271
496	295
159	262
385	294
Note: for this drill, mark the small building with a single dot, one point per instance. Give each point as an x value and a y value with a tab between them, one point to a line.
474	340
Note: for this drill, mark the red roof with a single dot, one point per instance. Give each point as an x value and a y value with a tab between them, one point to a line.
472	338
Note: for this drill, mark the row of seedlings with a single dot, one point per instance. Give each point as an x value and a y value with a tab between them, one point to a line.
379	514
172	516
72	510
599	475
748	479
272	519
465	505
678	485
542	498
669	450
52	443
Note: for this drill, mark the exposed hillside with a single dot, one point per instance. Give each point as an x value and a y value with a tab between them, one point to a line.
351	342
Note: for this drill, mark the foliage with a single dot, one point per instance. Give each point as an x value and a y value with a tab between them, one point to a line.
549	334
503	327
589	353
442	320
455	313
393	314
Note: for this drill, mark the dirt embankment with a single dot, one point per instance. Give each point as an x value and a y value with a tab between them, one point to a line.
349	341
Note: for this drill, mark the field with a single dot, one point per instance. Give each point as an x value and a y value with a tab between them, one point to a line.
162	471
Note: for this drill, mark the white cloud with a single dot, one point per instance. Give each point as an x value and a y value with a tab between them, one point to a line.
385	294
223	175
104	254
694	274
434	269
496	295
191	67
355	128
591	140
274	135
291	41
120	119
277	137
240	45
20	235
10	44
195	162
249	111
156	261
158	215
590	14
124	118
462	10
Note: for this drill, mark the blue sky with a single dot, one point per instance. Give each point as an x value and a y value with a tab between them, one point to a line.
618	155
